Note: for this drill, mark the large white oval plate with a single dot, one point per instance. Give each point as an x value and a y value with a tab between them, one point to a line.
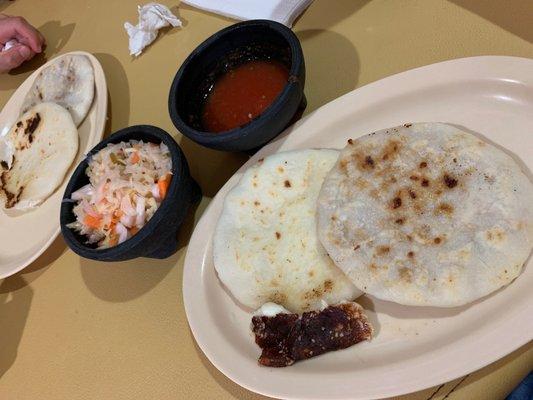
24	236
414	347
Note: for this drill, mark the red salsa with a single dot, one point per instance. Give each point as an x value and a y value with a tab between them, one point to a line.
242	93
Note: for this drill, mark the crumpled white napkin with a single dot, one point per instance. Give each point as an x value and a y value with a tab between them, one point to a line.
152	17
283	11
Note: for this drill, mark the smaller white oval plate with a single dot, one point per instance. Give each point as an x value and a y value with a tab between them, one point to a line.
414	347
24	236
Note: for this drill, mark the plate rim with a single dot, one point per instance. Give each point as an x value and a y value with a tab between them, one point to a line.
99	131
492	64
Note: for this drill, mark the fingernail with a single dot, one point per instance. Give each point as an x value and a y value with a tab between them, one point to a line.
24	52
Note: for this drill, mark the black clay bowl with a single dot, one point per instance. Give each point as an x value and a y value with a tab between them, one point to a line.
158	238
228	48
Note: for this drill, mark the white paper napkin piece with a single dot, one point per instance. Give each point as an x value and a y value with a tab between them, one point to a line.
283	11
152	17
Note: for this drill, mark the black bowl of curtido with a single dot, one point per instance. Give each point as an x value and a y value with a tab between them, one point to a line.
241	87
154	236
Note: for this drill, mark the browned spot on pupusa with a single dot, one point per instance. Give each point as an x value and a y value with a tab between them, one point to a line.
399	221
382	250
405	275
11	198
391	150
277	297
396	203
33	123
311	273
489	178
281	169
319	291
412	194
364	162
437	240
278	235
444	209
495	235
424	182
328	285
257	203
356	247
423	165
287	184
411	254
449	181
350	141
361	183
343	165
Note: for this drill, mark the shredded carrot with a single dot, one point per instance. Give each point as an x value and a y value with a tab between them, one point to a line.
163	184
92	222
135	157
133	230
113	240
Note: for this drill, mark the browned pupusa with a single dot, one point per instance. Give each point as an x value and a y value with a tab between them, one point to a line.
426	214
265	247
35	155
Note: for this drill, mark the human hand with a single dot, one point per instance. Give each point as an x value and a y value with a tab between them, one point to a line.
28	42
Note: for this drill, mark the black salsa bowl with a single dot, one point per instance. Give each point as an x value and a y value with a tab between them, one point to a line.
158	237
245	41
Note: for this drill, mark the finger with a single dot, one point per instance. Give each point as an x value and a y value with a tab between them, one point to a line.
13	57
18	28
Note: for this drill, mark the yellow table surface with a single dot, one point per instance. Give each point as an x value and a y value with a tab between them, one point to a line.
71	328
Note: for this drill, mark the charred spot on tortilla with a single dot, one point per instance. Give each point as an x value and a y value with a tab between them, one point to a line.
31	125
396	202
449	181
288	338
